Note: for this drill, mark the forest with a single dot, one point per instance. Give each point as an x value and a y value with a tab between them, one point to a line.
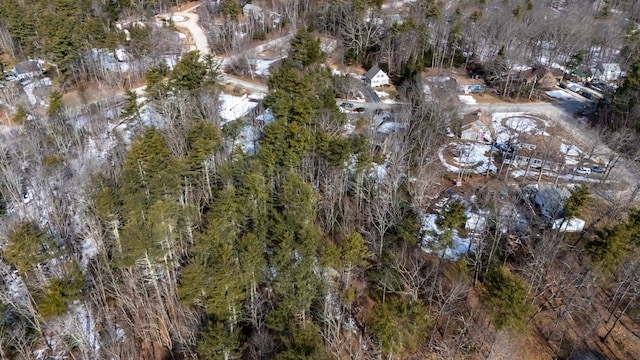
134	226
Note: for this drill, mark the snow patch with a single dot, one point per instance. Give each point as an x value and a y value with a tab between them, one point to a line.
262	66
178	18
559	94
458	247
570	149
234	107
390	127
467	99
470	158
247	140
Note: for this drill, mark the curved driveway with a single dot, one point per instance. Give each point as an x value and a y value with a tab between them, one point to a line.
191	25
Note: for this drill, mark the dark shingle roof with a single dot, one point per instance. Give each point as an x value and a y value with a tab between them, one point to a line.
372	72
26	67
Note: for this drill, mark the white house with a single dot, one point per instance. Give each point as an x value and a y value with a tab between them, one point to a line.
376	77
607	72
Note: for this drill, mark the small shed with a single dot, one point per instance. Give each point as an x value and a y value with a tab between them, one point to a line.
376	77
470	85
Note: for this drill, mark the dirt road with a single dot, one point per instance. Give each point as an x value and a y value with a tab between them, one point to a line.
191	25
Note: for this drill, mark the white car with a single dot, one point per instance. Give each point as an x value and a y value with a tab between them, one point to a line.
583	170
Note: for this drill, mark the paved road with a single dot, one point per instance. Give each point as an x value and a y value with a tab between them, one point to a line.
553	110
369	94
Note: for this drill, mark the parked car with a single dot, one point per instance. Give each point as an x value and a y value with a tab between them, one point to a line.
359	110
346	105
586	95
583	170
503	147
598	169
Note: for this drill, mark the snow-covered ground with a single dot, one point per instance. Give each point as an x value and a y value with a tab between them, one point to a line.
472	157
459	246
234	107
559	94
526	124
247	139
508	125
533	173
384	97
390	127
30	87
262	66
427	92
570	149
467	99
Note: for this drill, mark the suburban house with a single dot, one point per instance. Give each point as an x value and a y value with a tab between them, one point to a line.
535	161
540	76
469	85
27	70
606	72
376	77
528	155
475	127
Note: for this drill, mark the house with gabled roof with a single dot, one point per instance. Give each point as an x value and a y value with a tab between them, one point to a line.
606	72
376	77
27	70
540	76
475	126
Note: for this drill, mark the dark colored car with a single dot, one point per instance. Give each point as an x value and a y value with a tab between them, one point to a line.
502	147
598	169
359	110
586	95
